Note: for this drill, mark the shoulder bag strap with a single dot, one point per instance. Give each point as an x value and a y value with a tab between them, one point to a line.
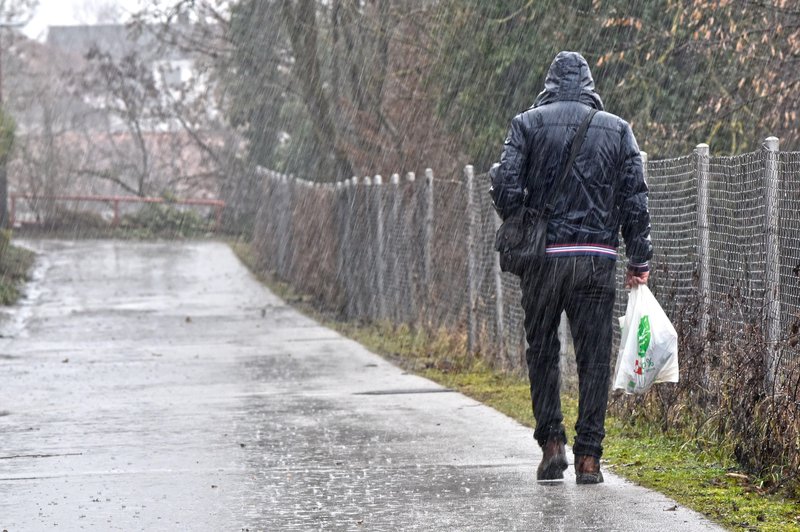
577	143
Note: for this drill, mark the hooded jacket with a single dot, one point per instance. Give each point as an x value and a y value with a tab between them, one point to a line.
604	191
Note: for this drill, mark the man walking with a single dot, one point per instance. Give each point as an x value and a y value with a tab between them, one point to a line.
603	192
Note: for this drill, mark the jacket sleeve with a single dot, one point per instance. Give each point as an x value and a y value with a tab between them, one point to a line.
508	189
632	204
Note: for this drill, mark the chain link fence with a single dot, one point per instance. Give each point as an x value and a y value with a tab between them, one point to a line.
673	217
420	250
789	238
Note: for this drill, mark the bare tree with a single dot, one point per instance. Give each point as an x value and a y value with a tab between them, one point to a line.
129	105
44	152
149	135
16	11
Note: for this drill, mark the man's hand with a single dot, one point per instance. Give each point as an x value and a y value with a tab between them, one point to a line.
635	279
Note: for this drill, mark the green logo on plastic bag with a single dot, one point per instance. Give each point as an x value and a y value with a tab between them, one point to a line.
644	335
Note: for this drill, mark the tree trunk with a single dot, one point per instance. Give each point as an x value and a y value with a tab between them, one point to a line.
301	25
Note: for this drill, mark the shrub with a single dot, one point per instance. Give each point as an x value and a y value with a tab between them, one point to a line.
166	220
59	219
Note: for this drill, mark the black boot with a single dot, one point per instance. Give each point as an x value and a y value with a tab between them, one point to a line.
554	461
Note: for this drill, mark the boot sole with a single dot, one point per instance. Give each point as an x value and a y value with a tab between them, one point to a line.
589	478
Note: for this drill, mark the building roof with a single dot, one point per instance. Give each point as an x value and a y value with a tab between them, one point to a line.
116	39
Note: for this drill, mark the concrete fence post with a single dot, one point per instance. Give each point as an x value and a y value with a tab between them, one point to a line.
703	237
772	281
294	194
350	255
428	238
380	249
277	215
472	274
285	225
366	289
409	292
291	189
499	315
394	217
644	163
500	321
344	245
563	341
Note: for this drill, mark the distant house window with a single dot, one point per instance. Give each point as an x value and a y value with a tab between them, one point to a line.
171	73
172	76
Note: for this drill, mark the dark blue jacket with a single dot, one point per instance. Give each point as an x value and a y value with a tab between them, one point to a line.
605	190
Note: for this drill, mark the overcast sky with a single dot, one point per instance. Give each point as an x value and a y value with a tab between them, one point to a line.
70	12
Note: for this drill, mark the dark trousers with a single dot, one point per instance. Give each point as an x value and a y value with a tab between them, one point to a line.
583	287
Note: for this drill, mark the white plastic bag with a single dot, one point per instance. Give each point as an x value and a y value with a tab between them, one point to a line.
648	347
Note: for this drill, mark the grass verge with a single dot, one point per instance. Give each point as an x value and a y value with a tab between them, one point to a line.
702	477
15	263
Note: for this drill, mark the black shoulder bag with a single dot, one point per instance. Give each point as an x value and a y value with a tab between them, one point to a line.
521	238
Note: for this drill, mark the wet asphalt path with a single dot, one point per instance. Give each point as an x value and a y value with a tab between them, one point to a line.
158	386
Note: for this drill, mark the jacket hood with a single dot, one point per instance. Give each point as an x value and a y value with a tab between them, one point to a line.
569	79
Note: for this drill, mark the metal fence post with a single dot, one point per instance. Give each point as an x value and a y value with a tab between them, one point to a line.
472	289
380	259
703	238
772	281
428	236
